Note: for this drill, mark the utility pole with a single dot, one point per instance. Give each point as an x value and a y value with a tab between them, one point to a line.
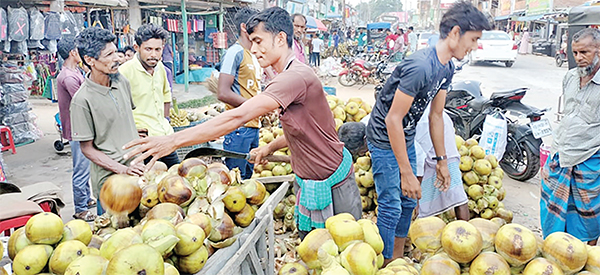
186	51
344	12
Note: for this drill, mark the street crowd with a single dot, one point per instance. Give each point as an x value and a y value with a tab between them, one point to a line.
115	111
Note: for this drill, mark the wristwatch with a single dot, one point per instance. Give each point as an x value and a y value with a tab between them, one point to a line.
438	158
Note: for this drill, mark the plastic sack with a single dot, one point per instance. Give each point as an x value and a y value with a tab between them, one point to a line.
36	24
13	88
69	24
18	24
52	30
16	118
3	25
494	135
15	108
25	132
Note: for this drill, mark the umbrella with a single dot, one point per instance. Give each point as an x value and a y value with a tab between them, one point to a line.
312	23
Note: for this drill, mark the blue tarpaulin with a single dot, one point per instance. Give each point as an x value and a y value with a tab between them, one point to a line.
379	25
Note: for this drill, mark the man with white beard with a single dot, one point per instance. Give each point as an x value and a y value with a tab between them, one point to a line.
571	177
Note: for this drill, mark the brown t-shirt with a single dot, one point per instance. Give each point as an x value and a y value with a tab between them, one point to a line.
307	122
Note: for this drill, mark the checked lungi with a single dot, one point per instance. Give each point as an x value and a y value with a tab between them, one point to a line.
571	199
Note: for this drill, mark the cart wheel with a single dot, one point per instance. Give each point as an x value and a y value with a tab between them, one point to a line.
58	145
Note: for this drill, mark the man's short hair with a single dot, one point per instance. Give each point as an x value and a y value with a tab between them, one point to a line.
65	46
411	28
464	15
242	16
150	31
298	14
275	20
352	134
122	50
91	41
129	48
588	32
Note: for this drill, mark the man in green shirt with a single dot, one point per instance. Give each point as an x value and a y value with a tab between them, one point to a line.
101	111
150	89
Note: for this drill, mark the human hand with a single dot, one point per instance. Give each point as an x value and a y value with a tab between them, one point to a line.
443	176
132	169
155	147
410	185
257	154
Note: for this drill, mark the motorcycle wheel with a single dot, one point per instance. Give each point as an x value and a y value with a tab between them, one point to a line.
519	161
559	61
347	80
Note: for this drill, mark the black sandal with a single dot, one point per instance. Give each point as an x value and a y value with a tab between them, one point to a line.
85	215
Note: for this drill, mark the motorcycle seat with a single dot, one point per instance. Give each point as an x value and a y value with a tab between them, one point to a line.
368	66
507	93
478	103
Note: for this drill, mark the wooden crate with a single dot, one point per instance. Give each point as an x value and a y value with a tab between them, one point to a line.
252	253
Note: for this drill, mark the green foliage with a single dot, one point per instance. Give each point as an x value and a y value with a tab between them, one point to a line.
369	11
200	102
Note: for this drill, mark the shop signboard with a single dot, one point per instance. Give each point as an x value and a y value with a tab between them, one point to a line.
505	6
535	7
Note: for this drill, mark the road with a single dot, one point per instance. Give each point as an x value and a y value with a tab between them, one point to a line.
38	162
544	80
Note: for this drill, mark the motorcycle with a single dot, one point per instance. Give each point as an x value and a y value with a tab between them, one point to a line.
468	108
561	56
363	72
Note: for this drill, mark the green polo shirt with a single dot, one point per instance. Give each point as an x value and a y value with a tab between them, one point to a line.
104	115
149	92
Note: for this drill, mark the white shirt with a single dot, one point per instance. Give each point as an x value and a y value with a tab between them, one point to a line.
317	44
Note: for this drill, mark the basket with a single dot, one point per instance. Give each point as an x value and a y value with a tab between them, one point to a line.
181	152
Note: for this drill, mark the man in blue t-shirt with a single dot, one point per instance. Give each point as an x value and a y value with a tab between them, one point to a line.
336	42
419	80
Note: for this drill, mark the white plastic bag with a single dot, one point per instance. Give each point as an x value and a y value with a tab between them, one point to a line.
494	135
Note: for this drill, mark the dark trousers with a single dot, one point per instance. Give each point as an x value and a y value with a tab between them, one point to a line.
170	159
315	59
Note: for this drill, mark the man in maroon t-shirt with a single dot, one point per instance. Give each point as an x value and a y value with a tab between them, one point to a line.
318	156
68	81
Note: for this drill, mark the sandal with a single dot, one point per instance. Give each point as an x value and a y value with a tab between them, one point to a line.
85	215
91	203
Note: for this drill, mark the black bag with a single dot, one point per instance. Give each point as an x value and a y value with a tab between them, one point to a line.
18	24
52	31
3	25
36	24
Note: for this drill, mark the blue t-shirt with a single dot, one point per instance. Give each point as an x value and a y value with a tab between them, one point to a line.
336	40
420	76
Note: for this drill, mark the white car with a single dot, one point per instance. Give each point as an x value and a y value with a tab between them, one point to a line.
422	40
495	46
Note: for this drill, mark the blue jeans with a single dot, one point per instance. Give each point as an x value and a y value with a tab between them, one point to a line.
81	178
242	140
395	210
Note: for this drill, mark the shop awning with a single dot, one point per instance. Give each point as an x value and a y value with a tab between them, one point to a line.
503	17
530	17
333	15
313	23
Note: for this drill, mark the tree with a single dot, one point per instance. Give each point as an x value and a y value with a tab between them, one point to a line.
369	11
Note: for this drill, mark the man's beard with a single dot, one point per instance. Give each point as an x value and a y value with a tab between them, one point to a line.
114	77
587	70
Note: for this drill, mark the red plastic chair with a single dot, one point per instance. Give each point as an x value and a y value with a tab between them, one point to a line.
6	138
15	223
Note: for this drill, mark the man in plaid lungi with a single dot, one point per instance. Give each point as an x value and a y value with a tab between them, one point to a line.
571	179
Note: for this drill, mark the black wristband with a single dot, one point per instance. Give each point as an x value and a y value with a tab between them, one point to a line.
440	158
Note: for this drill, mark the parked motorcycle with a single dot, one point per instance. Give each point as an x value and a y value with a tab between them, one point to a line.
362	72
468	108
560	57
